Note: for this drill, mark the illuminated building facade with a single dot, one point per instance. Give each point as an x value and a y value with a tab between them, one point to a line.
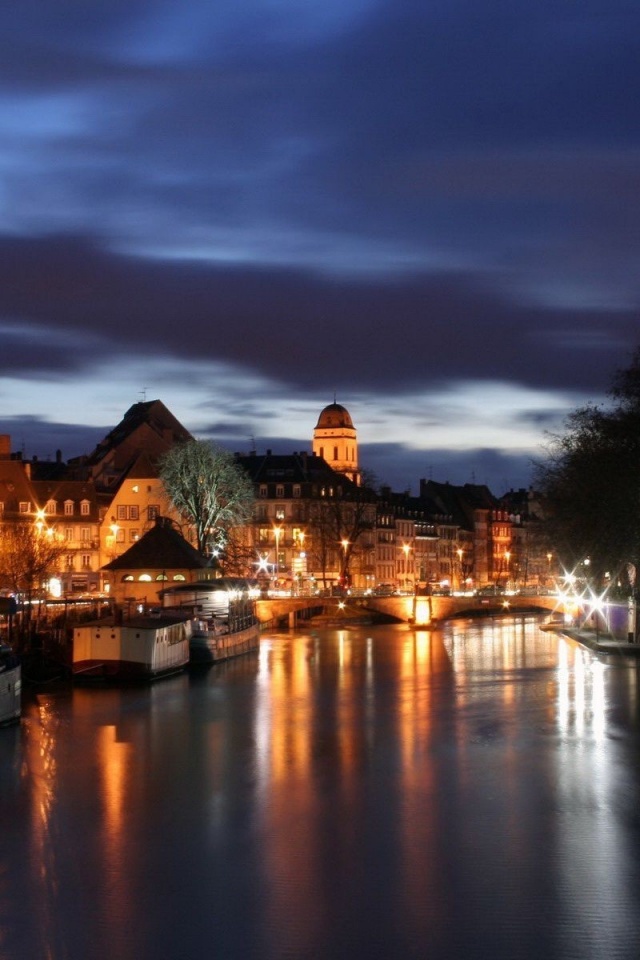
315	525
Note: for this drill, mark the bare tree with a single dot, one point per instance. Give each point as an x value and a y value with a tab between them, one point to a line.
337	526
28	558
589	483
208	489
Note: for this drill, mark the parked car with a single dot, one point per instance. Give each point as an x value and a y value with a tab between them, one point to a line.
384	590
489	590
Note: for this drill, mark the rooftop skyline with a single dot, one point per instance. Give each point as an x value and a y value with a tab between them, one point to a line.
428	211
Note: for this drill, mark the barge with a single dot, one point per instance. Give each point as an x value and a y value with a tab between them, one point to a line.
139	648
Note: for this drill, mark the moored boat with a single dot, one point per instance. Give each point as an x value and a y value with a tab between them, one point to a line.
10	686
142	647
224	623
213	642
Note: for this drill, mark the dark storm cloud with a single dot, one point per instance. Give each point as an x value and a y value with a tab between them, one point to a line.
379	196
337	131
286	324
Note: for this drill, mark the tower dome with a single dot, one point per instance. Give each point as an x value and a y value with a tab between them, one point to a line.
335	415
336	441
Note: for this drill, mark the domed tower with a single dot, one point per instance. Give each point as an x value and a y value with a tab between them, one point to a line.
335	439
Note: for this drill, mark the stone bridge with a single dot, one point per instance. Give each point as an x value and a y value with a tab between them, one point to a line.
421	610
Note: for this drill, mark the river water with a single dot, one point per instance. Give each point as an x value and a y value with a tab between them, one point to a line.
374	792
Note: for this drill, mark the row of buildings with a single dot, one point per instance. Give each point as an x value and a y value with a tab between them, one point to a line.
316	524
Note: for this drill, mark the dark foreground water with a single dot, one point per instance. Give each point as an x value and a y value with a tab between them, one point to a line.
369	793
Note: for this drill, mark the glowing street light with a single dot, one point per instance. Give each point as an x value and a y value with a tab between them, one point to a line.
406	549
345	547
460	553
277	532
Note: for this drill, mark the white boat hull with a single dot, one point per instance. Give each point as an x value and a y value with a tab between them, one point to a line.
208	647
144	648
10	689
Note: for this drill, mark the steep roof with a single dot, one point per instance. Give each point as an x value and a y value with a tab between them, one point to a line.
142	468
457	502
161	548
151	414
302	468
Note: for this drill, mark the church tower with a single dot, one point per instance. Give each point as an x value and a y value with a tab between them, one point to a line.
335	440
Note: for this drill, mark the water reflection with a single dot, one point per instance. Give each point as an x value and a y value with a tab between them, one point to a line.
377	793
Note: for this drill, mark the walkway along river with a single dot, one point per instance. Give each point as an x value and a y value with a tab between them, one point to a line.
374	792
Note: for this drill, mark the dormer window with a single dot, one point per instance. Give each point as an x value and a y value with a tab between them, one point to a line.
85	508
68	508
51	507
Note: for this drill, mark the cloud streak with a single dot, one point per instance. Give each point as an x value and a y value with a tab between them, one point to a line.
426	205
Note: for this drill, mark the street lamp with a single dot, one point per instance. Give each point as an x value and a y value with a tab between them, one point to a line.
276	532
405	549
345	546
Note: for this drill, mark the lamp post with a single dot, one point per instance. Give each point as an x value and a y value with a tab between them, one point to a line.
276	532
345	547
460	553
405	549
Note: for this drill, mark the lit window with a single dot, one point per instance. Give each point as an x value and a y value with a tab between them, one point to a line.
145	578
68	508
179	576
133	535
85	508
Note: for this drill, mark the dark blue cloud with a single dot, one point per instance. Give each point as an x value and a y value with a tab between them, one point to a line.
379	197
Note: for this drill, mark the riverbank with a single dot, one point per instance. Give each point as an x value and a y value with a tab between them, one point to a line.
599	642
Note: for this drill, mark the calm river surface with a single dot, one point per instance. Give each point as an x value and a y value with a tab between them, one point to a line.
371	793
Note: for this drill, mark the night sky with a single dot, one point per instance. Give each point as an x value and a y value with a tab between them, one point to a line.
429	209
